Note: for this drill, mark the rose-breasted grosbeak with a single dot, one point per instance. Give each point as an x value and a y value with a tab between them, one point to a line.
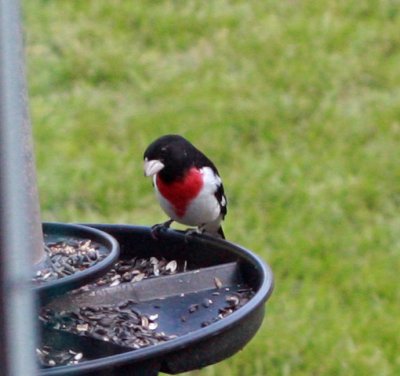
187	184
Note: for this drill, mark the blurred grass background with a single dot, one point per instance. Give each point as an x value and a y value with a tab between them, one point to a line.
297	102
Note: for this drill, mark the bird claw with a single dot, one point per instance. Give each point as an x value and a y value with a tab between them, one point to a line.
158	228
190	232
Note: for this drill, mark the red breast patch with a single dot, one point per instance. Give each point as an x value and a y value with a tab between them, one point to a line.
180	193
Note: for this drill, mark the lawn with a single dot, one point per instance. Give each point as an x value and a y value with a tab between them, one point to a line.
297	102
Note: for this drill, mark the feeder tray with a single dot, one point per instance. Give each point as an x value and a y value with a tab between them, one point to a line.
187	306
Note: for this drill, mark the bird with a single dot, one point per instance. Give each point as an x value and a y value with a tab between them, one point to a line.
187	185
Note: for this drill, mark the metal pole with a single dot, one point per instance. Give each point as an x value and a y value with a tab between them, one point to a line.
20	234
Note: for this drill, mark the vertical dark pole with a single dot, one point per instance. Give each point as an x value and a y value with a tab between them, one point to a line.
20	235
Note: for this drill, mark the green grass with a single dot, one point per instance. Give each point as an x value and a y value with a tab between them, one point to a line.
297	102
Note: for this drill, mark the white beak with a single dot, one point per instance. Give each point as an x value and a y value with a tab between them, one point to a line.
152	167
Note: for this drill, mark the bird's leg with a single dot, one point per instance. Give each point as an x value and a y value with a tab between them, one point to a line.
156	229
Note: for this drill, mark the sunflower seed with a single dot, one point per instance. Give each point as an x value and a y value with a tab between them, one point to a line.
193	308
82	327
78	356
152	326
217	282
115	283
171	266
153	317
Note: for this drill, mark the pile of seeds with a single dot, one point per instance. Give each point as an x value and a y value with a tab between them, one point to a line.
121	325
65	258
49	357
136	269
234	302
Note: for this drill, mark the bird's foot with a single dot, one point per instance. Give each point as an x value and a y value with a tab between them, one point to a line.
158	228
190	232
